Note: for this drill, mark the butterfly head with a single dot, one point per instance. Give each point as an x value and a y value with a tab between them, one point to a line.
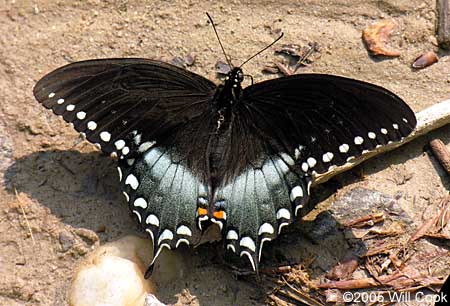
235	77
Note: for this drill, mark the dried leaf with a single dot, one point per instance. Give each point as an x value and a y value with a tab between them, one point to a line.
222	68
343	269
435	224
183	62
289	49
271	68
376	37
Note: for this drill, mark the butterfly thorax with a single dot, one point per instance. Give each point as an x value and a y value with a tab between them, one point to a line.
227	96
225	102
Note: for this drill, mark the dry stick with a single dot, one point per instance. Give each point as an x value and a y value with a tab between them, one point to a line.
24	215
364	221
386	281
302	297
278	301
441	153
440	219
429	119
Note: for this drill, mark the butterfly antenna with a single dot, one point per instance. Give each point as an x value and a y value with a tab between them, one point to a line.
217	35
261	51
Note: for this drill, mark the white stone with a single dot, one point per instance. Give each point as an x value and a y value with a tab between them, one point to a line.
113	275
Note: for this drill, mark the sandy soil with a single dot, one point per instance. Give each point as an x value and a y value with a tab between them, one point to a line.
59	196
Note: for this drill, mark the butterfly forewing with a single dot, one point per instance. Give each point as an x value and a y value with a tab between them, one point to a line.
324	120
108	99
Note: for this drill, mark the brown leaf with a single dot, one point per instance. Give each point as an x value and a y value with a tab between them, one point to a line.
435	224
376	36
343	269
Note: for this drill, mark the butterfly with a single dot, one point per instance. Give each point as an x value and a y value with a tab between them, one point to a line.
192	153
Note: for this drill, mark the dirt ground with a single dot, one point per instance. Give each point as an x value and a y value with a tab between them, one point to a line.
60	197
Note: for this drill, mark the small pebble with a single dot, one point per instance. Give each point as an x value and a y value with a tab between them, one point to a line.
425	60
66	240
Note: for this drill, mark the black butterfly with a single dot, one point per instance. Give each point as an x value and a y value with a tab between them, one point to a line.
192	153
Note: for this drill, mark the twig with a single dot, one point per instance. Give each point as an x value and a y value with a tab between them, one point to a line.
366	220
283	69
278	301
423	229
24	215
276	270
435	224
397	280
437	236
441	153
429	119
302	296
350	284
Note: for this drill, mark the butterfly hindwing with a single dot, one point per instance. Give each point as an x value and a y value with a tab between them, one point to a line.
259	203
162	194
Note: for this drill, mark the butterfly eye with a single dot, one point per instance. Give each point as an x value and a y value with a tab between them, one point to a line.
239	76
